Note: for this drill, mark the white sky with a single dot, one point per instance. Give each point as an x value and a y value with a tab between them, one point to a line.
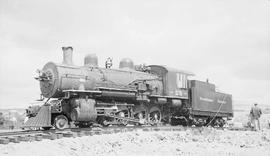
226	41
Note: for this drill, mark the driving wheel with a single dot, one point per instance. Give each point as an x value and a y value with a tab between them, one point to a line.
141	114
155	115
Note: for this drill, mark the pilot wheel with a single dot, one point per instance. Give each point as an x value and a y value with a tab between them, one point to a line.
61	122
103	121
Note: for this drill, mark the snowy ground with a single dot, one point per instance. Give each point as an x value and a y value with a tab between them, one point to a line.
191	142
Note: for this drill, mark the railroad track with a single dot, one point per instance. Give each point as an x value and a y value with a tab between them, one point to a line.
14	133
38	135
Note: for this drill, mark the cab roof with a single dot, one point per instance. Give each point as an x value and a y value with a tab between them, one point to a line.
174	70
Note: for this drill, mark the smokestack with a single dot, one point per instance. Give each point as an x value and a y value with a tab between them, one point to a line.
67	55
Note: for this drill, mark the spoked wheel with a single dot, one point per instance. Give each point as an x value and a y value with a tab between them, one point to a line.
103	121
141	114
213	122
219	122
123	114
61	122
155	115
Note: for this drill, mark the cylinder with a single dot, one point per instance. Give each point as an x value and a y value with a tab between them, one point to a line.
84	110
67	55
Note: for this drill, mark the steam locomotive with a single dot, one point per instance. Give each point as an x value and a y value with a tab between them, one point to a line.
133	94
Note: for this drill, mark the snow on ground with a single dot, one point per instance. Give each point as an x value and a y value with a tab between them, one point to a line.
191	142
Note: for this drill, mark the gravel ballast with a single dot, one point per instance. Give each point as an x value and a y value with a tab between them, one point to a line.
206	141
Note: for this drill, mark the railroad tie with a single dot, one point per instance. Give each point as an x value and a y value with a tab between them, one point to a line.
129	129
166	128
156	129
117	130
59	135
4	141
14	139
31	138
24	138
177	128
70	135
80	133
146	129
50	136
108	132
38	137
88	133
97	132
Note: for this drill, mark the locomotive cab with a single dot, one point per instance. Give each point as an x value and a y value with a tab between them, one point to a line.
174	81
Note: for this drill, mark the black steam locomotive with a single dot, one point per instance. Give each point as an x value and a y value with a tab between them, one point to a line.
138	95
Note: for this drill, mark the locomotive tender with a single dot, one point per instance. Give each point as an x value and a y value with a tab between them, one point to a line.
154	94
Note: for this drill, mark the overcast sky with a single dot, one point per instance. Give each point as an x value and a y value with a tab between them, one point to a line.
226	41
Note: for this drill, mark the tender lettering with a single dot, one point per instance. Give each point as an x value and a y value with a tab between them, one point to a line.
221	101
206	99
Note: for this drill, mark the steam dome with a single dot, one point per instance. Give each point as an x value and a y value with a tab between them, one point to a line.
91	60
126	63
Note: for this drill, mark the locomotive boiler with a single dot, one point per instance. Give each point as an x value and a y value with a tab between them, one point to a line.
133	94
